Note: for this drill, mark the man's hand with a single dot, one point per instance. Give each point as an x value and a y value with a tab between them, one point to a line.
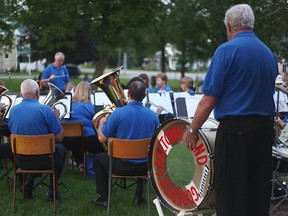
103	119
2	106
190	140
52	77
56	112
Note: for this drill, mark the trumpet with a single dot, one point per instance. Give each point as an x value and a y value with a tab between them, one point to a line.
110	84
53	97
4	111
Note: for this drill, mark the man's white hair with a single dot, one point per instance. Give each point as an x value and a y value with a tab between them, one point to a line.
29	87
240	17
59	55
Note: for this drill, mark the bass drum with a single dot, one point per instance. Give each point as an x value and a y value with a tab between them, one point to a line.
183	178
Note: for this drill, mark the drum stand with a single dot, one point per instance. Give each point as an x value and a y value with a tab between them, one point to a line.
280	179
157	203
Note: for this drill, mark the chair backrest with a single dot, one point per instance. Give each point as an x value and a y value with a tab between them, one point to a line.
128	149
73	129
32	144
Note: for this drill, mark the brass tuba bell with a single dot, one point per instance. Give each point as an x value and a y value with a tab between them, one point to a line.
5	109
53	97
110	84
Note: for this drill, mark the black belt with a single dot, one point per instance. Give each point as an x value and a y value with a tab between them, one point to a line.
230	117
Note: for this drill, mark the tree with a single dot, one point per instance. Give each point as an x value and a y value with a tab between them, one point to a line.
6	26
188	18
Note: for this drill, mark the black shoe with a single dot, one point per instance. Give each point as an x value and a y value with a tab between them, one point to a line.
138	200
49	196
27	188
99	202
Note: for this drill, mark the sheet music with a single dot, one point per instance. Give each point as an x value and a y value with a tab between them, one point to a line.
67	102
160	99
101	99
191	102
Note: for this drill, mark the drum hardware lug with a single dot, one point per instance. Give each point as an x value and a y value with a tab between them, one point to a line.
211	156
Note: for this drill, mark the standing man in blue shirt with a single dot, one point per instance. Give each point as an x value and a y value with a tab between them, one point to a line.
239	85
57	74
133	121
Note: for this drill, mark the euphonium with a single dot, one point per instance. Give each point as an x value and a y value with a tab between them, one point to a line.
111	86
53	97
6	109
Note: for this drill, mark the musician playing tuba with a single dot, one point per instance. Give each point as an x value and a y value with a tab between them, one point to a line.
83	111
133	121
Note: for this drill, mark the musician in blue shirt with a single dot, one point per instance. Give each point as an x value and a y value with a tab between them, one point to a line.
161	83
32	118
133	121
83	111
57	74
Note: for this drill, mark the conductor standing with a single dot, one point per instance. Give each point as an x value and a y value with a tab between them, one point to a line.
239	86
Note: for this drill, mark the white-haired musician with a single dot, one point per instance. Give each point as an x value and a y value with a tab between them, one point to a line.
57	74
239	85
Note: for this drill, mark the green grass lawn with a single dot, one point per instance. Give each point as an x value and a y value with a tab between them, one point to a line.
75	200
16	82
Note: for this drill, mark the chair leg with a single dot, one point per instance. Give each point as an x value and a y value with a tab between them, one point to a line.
109	194
54	191
14	193
84	165
148	196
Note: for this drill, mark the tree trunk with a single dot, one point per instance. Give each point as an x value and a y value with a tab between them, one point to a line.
163	60
100	65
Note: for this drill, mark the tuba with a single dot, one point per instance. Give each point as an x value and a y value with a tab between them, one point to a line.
53	97
110	84
5	109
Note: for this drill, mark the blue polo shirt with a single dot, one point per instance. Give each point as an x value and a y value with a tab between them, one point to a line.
83	112
62	73
133	121
242	77
32	118
166	88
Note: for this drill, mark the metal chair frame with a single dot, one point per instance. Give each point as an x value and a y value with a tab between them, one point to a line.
76	129
34	145
118	148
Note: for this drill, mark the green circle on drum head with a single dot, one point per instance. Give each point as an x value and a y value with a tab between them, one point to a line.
180	165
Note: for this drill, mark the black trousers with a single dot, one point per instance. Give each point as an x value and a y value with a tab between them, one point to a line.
42	162
243	154
5	151
92	145
120	167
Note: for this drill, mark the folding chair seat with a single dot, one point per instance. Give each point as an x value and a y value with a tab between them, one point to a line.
37	145
73	130
127	149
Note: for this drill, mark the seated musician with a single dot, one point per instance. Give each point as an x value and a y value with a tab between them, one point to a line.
5	148
32	118
83	111
186	85
133	121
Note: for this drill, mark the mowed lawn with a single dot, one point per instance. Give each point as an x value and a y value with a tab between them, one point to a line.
75	200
